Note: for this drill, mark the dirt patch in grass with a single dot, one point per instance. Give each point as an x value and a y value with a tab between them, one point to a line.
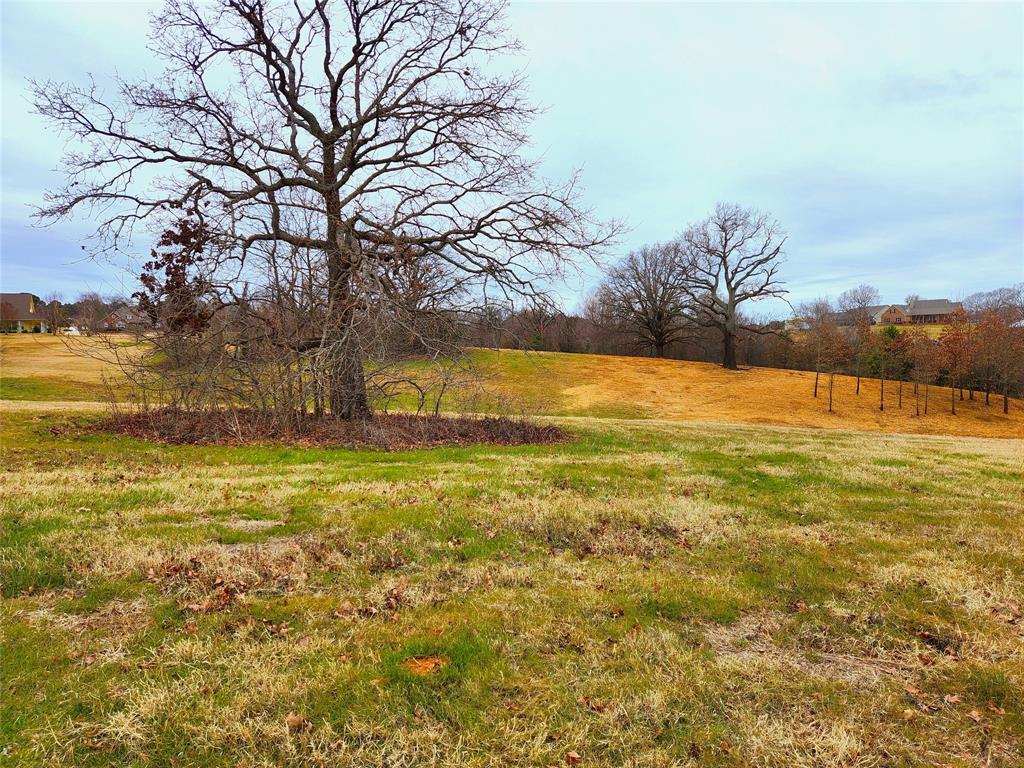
391	432
749	643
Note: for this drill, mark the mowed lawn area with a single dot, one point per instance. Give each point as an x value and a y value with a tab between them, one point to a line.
650	593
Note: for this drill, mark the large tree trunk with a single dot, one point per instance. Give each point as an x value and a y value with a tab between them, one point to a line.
348	386
348	398
729	349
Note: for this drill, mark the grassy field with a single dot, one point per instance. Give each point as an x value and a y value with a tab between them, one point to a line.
931	330
41	368
629	387
651	593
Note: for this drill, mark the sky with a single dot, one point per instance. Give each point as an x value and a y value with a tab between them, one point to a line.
886	138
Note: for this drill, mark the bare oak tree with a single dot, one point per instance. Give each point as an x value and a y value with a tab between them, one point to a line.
819	316
732	257
355	137
646	294
856	303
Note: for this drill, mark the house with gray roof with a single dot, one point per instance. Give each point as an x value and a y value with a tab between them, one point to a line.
915	312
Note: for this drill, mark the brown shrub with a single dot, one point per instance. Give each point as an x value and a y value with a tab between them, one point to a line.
386	431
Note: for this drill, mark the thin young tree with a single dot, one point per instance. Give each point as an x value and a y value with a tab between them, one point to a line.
856	303
880	354
819	316
922	353
956	345
732	257
345	136
901	363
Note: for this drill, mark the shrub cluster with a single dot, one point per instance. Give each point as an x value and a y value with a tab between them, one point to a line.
385	431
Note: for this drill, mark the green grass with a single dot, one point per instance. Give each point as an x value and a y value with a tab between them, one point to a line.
43	389
648	592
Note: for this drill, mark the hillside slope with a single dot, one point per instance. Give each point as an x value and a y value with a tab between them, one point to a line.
630	387
42	368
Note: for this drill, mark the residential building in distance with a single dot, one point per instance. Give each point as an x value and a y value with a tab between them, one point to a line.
22	313
915	312
921	312
126	318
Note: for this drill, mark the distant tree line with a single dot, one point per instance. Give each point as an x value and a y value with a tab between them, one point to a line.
980	351
86	313
638	311
684	298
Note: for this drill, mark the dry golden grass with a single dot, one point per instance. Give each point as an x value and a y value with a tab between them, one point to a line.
931	330
607	386
45	356
688	391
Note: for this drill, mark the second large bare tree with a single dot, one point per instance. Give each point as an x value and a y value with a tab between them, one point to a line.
733	257
354	137
645	295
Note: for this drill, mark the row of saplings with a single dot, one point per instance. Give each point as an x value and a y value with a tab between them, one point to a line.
968	357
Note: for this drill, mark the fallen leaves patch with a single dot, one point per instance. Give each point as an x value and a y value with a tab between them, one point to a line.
423	666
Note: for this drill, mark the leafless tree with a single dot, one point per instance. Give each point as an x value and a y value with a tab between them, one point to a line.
924	356
56	318
856	303
90	311
646	294
825	338
352	137
732	257
1010	300
956	344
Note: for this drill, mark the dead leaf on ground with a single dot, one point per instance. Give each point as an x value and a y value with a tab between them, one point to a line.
572	758
424	665
296	723
974	715
587	702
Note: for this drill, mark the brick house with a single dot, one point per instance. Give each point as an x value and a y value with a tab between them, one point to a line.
126	319
916	312
920	312
894	314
